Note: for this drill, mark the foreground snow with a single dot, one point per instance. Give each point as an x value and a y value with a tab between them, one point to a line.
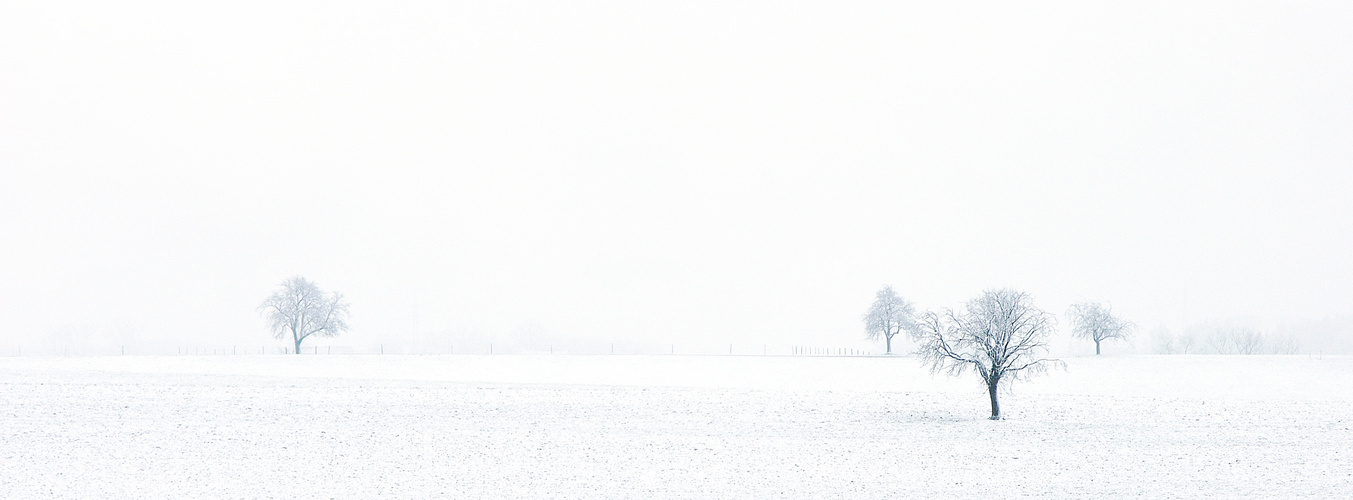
667	426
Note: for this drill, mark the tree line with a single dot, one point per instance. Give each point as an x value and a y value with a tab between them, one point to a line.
1223	340
1000	335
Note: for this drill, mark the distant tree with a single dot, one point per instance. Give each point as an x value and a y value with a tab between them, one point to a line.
1221	341
1286	344
1186	341
1243	340
888	316
1247	341
1000	335
1162	341
1237	341
299	309
1093	321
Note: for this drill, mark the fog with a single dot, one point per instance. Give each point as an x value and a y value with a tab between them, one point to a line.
669	173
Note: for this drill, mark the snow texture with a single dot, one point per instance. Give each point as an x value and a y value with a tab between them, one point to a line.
669	427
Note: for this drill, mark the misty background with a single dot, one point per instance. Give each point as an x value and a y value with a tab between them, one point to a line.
664	173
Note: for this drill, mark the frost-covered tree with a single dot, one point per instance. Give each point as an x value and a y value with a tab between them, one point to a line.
1093	321
299	309
1162	341
888	316
1000	335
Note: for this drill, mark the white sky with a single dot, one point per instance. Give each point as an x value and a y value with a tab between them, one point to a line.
722	171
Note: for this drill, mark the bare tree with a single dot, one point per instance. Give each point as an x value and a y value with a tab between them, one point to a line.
1186	341
1285	344
888	316
1221	341
1090	320
1247	341
1000	335
299	309
1163	342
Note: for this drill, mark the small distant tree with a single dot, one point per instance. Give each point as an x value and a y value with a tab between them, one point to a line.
299	309
1093	321
1286	344
1162	341
1000	335
1247	341
1186	341
1220	341
888	316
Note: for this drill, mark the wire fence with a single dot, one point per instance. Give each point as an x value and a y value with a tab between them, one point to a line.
482	349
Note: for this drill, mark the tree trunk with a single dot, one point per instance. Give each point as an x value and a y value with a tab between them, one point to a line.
1096	348
995	405
298	347
889	340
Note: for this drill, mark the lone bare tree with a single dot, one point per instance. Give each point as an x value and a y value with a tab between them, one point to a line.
888	316
299	309
1000	335
1091	320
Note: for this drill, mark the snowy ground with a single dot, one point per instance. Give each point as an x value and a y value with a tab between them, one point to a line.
668	426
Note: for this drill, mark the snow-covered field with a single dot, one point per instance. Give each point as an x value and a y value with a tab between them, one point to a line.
668	426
